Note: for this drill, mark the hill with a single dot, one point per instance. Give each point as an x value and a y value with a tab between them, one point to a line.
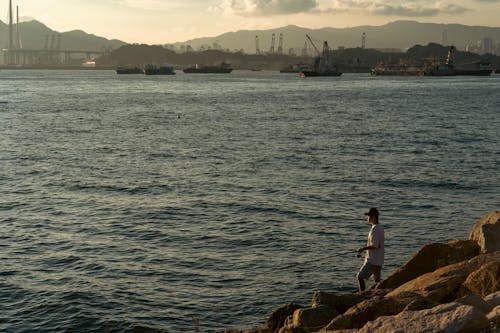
349	59
398	34
34	36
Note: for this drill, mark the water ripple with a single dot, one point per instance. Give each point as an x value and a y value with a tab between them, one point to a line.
150	205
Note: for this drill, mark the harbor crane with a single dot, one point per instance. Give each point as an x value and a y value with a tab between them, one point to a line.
314	46
324	57
273	42
280	44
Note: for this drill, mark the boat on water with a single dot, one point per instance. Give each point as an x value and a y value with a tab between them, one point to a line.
477	69
297	68
323	65
223	68
406	67
480	68
129	70
401	68
158	70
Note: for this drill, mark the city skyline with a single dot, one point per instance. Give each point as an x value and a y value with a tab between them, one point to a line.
160	22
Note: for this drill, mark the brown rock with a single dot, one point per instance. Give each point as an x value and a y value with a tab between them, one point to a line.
484	281
448	283
288	327
428	259
313	319
420	303
493	299
440	286
487	232
371	309
494	316
341	303
476	301
277	319
451	317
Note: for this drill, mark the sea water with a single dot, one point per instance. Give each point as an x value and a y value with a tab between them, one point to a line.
177	203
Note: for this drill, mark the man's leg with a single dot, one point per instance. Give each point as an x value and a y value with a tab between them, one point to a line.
361	284
364	273
376	273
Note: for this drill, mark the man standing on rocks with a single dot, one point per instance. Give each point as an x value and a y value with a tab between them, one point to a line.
374	256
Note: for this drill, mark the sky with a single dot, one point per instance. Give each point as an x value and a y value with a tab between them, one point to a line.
169	21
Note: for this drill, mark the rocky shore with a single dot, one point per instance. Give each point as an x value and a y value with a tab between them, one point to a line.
453	287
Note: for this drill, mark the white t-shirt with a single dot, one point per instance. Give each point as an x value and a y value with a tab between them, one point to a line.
375	239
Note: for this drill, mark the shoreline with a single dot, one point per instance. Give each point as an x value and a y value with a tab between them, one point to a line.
451	287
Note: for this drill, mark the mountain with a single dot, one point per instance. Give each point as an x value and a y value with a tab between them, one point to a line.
34	36
396	35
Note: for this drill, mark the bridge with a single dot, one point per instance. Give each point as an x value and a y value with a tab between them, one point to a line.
50	55
37	57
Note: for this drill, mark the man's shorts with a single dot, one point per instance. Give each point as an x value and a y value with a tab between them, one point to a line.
368	270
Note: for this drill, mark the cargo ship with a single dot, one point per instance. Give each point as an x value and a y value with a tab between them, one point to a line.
224	68
476	68
480	68
129	70
295	68
158	70
405	67
402	68
322	65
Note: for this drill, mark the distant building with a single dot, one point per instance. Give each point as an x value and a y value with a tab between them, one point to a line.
487	45
483	46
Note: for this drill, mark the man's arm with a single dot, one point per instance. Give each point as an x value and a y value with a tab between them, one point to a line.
370	247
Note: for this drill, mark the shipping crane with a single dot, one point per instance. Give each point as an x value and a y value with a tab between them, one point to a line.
322	65
280	44
273	42
314	46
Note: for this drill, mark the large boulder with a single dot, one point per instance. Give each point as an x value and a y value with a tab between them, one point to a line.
494	317
341	303
440	286
429	258
487	232
313	319
476	301
493	299
447	283
277	319
371	309
450	317
483	281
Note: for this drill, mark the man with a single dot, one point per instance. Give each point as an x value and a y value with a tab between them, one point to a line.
374	256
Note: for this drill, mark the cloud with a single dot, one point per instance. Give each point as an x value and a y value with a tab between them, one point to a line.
265	7
415	10
151	5
390	8
379	8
